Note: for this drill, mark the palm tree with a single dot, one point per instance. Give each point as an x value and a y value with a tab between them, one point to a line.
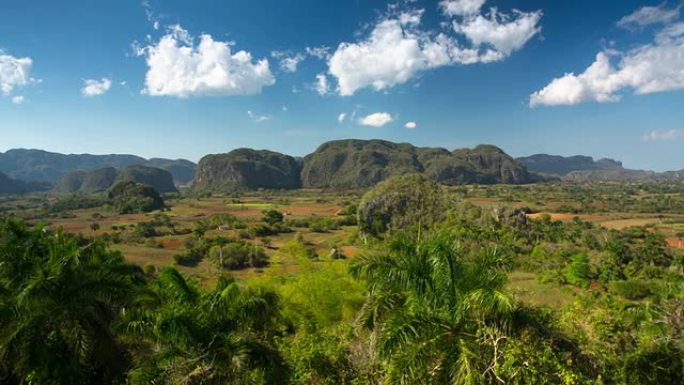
438	313
59	297
216	337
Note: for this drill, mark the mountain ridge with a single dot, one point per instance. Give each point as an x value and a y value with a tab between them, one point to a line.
103	179
581	168
46	166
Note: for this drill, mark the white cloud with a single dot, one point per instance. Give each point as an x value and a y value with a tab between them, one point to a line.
411	125
18	99
321	52
391	55
397	49
257	118
288	61
341	117
461	7
646	16
321	86
14	72
377	119
177	67
650	68
94	87
662	135
284	108
506	33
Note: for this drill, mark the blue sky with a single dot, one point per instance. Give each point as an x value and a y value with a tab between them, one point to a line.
185	79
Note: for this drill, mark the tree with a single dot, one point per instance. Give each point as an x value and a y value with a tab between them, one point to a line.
273	217
578	272
439	317
58	301
222	336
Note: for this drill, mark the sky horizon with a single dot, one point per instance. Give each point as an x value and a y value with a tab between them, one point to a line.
177	80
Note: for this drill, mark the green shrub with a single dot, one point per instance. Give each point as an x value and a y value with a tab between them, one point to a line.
185	260
578	272
632	289
272	217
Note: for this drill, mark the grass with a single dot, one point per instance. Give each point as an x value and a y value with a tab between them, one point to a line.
529	290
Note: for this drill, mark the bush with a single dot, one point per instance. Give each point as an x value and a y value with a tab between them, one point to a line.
272	217
262	231
323	225
238	255
578	272
298	249
145	230
632	289
185	260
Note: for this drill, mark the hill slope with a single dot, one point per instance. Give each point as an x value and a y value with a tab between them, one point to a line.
247	169
364	163
39	165
14	186
103	179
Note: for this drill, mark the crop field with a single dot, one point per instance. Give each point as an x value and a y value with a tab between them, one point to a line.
308	205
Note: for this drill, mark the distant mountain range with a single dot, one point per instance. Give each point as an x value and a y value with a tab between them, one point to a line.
347	163
356	164
43	166
581	168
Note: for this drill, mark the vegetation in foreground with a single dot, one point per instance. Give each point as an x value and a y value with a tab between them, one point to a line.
427	299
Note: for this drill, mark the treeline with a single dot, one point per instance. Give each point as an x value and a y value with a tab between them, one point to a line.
426	301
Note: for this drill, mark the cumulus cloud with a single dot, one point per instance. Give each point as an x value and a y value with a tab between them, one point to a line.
341	117
377	119
321	86
179	67
649	15
506	33
411	125
392	54
650	68
461	7
288	61
397	49
662	135
94	87
18	99
14	72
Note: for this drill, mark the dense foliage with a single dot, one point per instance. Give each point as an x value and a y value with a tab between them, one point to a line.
428	299
409	202
131	197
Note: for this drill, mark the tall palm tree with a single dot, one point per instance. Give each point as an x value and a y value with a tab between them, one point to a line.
217	337
59	298
438	314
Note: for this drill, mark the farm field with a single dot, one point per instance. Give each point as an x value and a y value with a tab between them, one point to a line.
306	205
